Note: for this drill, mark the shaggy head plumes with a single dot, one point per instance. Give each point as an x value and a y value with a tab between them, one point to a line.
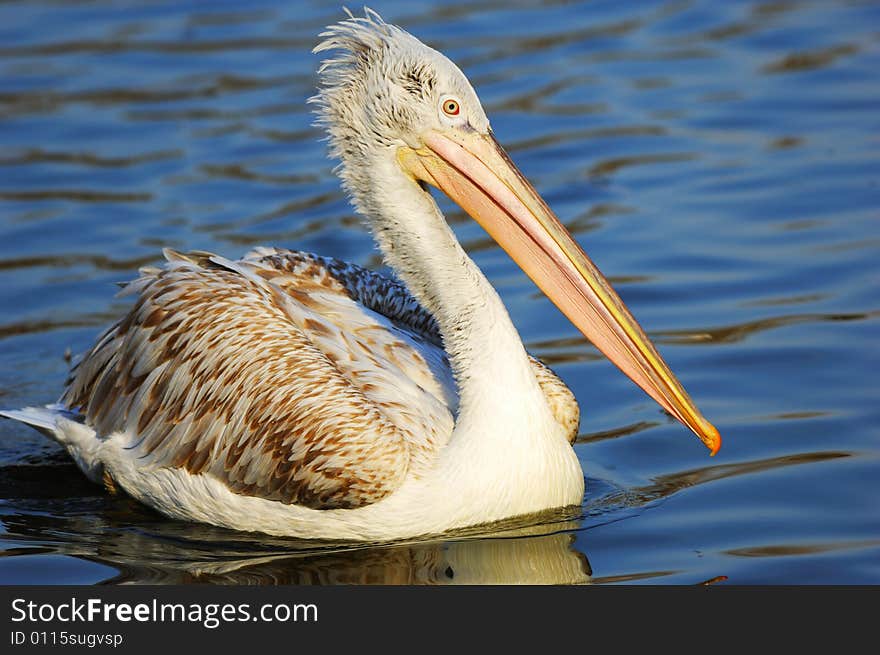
383	88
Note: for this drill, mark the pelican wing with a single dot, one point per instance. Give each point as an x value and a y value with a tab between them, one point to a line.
270	374
287	376
393	300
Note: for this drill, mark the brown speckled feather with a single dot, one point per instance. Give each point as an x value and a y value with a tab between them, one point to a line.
288	376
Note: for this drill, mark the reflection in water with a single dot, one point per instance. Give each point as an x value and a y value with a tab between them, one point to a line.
610	166
521	144
34	327
109	45
666	485
797	416
208	114
291	208
146	548
782	550
632	577
239	172
734	333
38	155
797	299
57	511
100	262
75	195
800	61
785	142
541	559
632	428
565	350
577	348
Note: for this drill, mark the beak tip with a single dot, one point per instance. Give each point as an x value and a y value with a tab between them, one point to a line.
712	438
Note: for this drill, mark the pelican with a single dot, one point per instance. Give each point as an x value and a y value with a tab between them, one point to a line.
299	395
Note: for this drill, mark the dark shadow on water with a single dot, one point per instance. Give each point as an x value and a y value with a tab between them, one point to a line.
786	550
75	195
614	433
666	485
40	156
736	333
811	59
579	349
33	327
621	502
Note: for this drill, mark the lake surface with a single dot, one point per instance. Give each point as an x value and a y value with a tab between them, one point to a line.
720	161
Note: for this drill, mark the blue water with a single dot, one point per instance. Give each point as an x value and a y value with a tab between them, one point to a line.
720	161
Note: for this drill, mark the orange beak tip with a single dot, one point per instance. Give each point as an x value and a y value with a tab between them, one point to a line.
712	439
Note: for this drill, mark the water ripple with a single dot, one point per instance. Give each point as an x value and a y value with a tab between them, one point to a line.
75	195
38	156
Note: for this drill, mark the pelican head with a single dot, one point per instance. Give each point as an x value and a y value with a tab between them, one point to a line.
385	91
389	102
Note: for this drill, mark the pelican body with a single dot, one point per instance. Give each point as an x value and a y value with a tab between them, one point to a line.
299	395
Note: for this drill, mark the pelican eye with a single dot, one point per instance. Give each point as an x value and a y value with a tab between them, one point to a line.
451	107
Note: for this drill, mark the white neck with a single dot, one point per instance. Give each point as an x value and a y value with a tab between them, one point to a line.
494	377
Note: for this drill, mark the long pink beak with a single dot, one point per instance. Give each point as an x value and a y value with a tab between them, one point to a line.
475	171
